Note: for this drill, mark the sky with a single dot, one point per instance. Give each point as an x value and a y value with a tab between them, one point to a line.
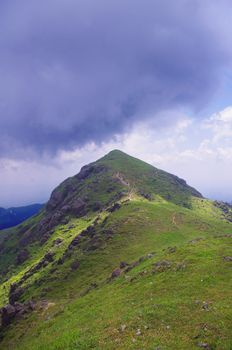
82	77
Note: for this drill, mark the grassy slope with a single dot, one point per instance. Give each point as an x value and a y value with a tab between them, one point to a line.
146	179
162	305
163	302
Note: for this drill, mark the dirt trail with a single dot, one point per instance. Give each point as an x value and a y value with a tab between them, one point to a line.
125	183
120	178
174	219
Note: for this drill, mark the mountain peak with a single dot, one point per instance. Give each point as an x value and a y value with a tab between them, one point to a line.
116	175
97	226
99	185
115	153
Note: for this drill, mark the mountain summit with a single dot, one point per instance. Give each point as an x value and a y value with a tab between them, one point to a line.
100	184
113	176
123	256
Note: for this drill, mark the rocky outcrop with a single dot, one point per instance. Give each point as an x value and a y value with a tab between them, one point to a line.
114	207
57	242
223	206
139	261
226	209
90	169
161	266
15	293
85	172
116	273
146	195
55	200
16	290
227	258
22	256
78	207
123	264
9	312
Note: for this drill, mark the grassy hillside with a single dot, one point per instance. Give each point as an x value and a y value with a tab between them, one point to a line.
143	271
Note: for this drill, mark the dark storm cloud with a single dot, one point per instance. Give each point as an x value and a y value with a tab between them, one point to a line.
76	71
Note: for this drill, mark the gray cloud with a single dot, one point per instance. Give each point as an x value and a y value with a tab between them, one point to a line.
76	71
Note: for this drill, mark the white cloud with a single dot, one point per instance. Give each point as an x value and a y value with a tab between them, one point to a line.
199	151
220	125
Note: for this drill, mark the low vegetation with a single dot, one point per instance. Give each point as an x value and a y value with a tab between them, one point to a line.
138	260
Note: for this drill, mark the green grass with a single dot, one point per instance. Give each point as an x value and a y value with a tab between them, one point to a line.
86	309
148	180
156	301
166	306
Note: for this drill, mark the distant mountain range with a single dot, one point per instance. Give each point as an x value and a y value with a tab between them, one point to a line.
14	216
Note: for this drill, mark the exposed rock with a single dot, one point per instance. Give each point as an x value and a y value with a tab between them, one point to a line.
123	328
110	189
65	220
228	235
227	258
75	265
86	236
204	346
222	205
180	266
88	232
71	226
225	208
141	259
89	289
65	209
85	172
9	312
75	241
108	232
205	306
22	256
114	207
147	196
48	258
57	241
123	264
61	260
23	229
131	266
171	249
150	255
55	219
15	293
26	239
161	266
96	206
195	240
45	237
57	197
90	169
78	207
116	273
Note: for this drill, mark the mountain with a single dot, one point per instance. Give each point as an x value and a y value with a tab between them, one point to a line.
14	216
123	256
